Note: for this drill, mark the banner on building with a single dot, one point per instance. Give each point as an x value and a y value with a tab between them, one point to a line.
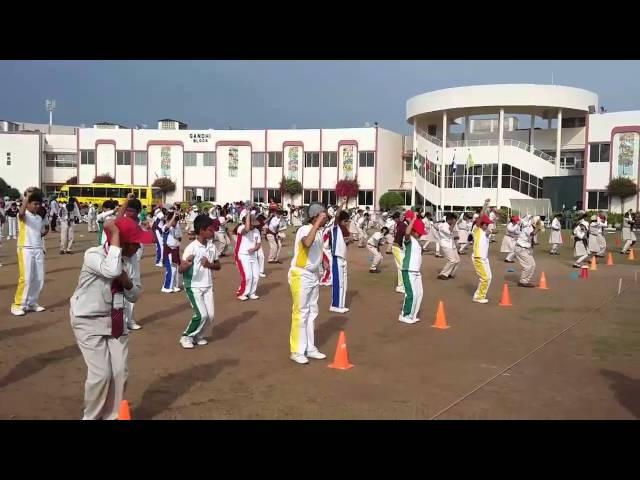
347	162
165	162
233	162
292	168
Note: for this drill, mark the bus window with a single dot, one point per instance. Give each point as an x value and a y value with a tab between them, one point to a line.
63	194
74	191
143	194
136	192
87	191
113	192
99	192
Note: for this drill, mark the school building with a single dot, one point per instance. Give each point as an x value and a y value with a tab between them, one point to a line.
468	144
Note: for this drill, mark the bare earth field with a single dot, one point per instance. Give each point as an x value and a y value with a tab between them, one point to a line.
592	371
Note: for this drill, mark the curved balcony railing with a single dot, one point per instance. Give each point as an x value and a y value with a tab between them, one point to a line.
430	138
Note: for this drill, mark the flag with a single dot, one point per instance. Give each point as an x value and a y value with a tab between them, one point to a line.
454	166
427	162
470	162
417	162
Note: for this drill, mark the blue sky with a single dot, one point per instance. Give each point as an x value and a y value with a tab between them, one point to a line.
276	94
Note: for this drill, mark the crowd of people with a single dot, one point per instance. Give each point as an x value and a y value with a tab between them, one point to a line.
110	283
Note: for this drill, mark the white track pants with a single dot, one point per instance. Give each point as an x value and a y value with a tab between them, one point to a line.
377	256
453	260
106	360
31	277
201	300
338	282
92	225
13	227
260	258
390	243
525	257
274	247
249	274
483	270
305	291
398	256
220	241
412	294
66	236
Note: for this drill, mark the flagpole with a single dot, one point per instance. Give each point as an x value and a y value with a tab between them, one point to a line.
424	170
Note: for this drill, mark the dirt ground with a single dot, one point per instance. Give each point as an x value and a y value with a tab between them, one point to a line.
401	371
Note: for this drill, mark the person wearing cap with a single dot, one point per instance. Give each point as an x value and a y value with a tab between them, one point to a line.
448	236
508	245
97	315
304	284
411	264
338	232
247	246
555	239
524	252
198	260
398	251
481	239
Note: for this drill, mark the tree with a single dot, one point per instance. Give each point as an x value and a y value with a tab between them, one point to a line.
622	187
104	178
390	200
72	180
166	185
347	188
290	186
7	190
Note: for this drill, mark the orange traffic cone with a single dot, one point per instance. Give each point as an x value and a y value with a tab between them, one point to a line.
125	411
631	255
610	260
341	359
594	264
505	301
543	282
441	318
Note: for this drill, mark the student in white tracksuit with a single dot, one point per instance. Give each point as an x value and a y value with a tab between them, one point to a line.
411	265
92	216
461	230
433	235
109	209
339	263
448	239
373	245
198	260
97	316
363	226
628	235
221	239
602	220
524	252
510	237
30	255
493	216
68	214
580	244
247	244
594	231
390	223
273	227
555	238
305	287
260	253
171	254
12	221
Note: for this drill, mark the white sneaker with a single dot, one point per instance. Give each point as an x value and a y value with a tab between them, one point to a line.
176	289
481	300
407	320
35	308
243	298
201	341
186	342
399	290
18	312
299	358
262	275
316	355
133	326
254	297
338	310
166	290
159	265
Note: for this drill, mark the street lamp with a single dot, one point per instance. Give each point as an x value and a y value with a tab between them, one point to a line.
50	105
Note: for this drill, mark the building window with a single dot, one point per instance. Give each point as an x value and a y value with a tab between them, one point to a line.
408	164
329	159
275	159
599	152
365	197
87	157
310	196
209	194
123	157
598	201
140	159
209	159
190	159
406	196
329	197
258	195
311	159
8	158
257	159
276	194
366	159
60	160
189	195
432	130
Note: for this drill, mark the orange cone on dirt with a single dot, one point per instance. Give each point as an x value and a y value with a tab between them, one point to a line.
125	411
610	260
594	263
341	359
441	318
543	282
631	255
505	300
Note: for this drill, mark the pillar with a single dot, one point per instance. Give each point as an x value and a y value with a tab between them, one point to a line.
558	141
500	141
442	160
532	132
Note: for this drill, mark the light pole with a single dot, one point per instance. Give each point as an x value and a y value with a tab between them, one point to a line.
50	105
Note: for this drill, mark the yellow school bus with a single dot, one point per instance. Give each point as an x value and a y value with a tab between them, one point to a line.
98	193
